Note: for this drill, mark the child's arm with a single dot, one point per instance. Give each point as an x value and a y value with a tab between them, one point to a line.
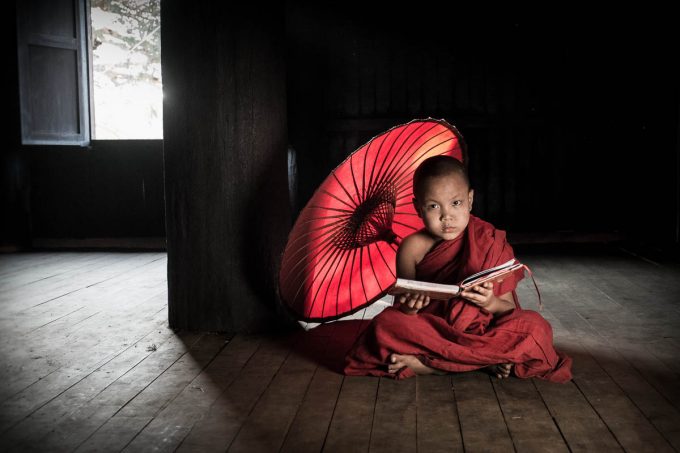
483	296
407	256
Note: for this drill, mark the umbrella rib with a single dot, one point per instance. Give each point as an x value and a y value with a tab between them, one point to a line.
325	297
351	302
354	180
370	260
385	261
361	273
397	171
304	235
337	293
380	176
344	190
347	212
325	243
302	273
350	206
372	182
322	248
323	280
363	173
335	256
405	225
402	172
375	162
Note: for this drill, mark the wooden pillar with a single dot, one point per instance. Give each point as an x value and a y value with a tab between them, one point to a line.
225	144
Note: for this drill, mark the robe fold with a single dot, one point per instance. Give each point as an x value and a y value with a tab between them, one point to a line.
456	335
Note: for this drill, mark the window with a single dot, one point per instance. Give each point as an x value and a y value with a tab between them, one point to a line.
126	69
79	79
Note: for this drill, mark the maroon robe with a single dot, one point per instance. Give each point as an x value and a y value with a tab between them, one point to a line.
456	335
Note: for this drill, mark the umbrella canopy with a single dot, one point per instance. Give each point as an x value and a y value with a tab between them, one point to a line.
340	254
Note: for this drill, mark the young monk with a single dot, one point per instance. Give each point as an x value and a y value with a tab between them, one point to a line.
485	328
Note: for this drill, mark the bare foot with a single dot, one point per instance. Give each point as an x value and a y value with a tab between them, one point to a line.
501	370
399	361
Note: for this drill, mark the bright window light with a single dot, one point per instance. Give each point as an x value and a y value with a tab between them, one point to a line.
126	69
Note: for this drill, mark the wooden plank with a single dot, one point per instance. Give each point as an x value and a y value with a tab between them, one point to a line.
44	389
657	409
41	421
47	283
310	425
437	415
46	291
15	265
79	425
217	429
481	419
138	412
530	424
632	430
394	419
173	423
267	425
579	423
350	428
60	347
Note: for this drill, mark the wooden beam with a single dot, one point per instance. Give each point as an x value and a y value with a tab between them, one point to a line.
225	158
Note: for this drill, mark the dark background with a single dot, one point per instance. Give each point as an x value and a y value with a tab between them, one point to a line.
570	117
571	122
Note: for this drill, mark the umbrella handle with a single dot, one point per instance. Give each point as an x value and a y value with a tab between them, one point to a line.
391	238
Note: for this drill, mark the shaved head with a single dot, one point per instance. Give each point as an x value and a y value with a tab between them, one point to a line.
434	167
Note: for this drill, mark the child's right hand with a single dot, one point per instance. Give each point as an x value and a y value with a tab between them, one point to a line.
412	303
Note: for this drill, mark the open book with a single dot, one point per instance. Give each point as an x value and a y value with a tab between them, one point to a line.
441	291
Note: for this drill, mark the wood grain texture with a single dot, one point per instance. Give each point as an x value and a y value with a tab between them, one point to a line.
225	159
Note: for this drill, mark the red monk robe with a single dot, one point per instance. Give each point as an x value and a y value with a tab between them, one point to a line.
457	335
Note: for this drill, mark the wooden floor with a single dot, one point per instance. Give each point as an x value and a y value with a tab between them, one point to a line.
88	363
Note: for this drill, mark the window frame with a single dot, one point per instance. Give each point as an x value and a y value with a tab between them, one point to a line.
79	44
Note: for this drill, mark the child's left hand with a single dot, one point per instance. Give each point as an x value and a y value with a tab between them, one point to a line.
482	296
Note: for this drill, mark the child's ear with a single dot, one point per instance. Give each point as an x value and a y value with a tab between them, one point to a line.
416	207
471	196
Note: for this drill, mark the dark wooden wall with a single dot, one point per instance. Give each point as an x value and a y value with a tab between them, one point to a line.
571	122
111	189
225	142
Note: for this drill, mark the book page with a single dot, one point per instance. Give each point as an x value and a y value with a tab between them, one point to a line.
487	271
433	290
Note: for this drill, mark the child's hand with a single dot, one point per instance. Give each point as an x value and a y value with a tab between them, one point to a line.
482	296
411	303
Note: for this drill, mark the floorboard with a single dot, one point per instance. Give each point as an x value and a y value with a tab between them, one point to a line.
88	363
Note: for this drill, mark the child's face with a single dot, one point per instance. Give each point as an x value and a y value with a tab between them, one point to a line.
445	207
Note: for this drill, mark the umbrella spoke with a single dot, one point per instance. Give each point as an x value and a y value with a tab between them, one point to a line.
387	265
370	259
344	190
335	262
404	180
363	173
350	206
406	225
321	248
407	163
381	176
373	183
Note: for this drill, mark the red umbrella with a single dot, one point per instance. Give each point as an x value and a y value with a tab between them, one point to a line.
340	255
